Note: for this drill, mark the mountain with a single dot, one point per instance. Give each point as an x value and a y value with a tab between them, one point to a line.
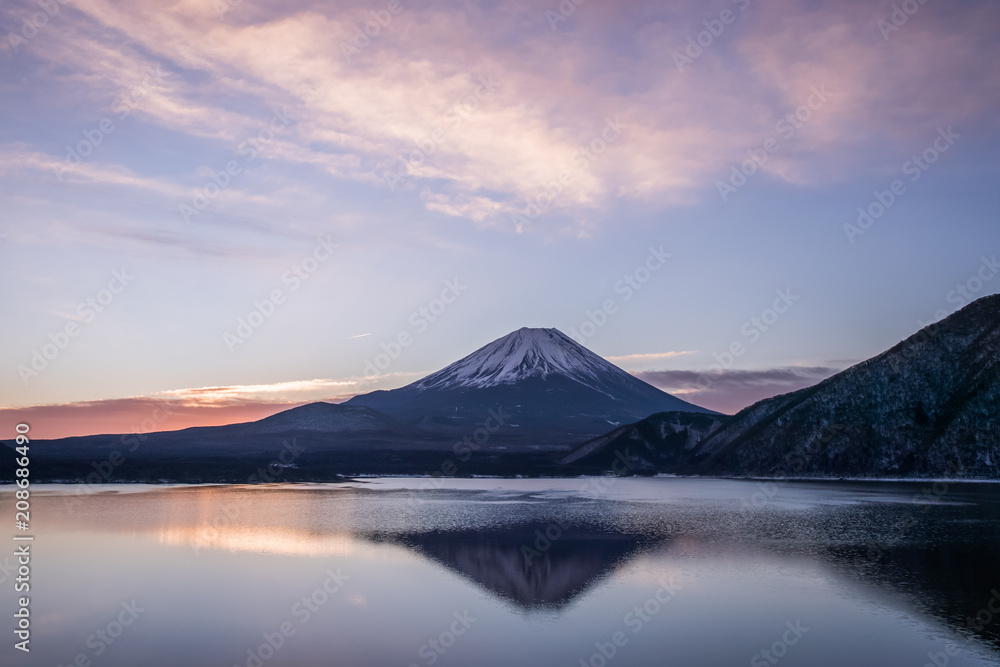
929	406
926	407
324	417
337	424
542	380
666	441
315	442
536	391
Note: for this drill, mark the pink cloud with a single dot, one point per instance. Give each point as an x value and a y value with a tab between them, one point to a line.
731	391
555	91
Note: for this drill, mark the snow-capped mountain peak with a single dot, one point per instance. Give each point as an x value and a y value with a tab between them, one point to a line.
547	385
520	355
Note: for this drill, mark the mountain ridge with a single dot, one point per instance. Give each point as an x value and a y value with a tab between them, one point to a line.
527	352
920	406
927	406
543	378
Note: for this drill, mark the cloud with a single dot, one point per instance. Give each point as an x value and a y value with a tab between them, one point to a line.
730	391
678	380
276	392
647	357
18	158
175	409
14	158
130	415
477	209
488	107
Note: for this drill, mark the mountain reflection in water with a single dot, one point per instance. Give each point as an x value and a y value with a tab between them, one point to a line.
534	565
881	574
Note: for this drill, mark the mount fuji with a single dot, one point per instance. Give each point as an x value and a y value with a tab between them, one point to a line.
926	407
541	380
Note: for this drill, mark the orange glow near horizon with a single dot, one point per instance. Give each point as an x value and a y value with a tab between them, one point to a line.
134	415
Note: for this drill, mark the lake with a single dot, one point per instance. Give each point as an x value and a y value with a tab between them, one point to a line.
497	572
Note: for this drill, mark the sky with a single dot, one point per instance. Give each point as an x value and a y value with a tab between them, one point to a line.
213	210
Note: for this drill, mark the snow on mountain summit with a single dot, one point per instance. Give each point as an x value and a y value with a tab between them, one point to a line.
523	354
548	386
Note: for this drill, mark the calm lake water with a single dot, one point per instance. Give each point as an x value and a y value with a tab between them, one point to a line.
490	572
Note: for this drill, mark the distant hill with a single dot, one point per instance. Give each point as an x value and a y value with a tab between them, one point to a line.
319	441
666	441
930	406
545	381
322	417
927	407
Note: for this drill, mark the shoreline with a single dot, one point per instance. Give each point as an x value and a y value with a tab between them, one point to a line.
364	478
